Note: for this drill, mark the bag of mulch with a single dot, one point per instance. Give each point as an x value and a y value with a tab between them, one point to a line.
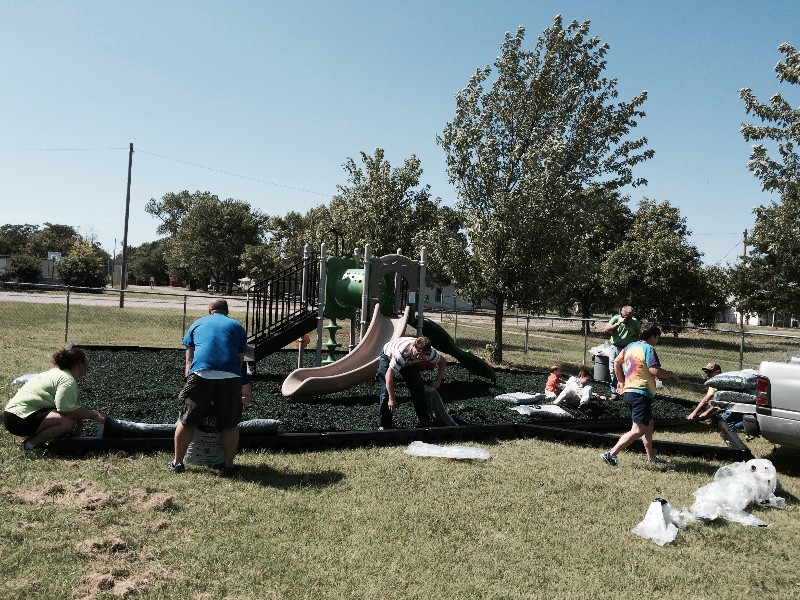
743	381
733	396
521	398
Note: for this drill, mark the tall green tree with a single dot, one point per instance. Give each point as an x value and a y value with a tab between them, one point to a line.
82	267
595	229
149	260
383	206
769	278
528	142
173	208
52	238
211	239
658	271
14	238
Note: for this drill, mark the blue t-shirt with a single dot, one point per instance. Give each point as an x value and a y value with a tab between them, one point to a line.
218	340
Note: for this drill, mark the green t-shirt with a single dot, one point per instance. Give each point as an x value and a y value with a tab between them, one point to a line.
625	334
55	389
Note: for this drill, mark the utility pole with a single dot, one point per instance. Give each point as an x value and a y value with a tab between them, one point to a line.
124	279
744	256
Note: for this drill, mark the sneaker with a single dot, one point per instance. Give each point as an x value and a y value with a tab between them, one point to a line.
658	461
223	470
175	468
609	459
28	447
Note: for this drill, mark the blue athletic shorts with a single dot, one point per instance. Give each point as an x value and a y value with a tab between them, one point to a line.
641	407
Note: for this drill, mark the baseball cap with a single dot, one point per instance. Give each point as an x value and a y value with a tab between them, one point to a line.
710	367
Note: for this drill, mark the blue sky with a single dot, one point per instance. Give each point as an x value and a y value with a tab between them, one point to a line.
264	101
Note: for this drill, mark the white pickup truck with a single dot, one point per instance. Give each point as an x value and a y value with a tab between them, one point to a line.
777	408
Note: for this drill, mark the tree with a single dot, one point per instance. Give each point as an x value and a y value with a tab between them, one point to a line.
173	208
260	261
14	238
769	278
527	150
52	238
659	272
148	261
382	206
211	239
82	267
24	268
595	231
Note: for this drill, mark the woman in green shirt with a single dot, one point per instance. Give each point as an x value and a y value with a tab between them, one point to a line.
46	407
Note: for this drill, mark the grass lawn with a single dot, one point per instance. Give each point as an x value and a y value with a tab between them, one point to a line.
538	520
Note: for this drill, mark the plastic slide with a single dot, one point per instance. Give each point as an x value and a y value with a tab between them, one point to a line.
358	366
442	341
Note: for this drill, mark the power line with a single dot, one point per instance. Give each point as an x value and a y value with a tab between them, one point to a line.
288	187
56	149
185	162
736	245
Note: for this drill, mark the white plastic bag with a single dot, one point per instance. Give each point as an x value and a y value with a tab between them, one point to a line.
25	378
604	349
661	523
521	398
735	487
545	410
457	452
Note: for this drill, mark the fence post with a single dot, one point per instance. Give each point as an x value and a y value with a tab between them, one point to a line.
455	327
741	349
585	327
66	319
527	329
184	316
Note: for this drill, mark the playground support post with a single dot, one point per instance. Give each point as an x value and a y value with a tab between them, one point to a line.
423	263
365	290
321	303
356	260
398	279
303	300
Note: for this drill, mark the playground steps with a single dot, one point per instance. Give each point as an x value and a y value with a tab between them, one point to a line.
281	336
277	312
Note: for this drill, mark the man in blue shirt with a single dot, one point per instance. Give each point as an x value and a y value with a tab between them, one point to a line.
215	348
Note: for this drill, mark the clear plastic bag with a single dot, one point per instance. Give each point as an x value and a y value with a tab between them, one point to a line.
661	523
456	452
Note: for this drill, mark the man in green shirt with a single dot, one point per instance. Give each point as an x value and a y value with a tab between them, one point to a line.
624	329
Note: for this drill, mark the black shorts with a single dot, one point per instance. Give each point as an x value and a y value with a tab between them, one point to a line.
26	427
201	397
641	407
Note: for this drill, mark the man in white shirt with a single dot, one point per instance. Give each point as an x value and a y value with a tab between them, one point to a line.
403	356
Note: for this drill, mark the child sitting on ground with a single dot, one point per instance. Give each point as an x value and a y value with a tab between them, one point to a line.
578	389
553	386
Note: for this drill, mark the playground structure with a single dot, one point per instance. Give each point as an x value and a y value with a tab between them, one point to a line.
297	300
387	288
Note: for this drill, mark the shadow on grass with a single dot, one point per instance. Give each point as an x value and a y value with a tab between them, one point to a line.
282	478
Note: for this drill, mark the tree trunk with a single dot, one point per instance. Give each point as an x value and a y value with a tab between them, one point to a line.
497	351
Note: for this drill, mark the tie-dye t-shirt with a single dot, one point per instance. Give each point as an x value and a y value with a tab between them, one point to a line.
637	360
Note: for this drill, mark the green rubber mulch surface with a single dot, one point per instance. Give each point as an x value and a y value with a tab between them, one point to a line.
142	385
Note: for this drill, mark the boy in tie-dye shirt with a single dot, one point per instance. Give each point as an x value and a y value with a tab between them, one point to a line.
636	368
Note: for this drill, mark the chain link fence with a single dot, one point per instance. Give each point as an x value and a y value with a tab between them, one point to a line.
538	341
140	316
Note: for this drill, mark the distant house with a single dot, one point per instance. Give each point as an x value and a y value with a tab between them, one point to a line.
770	319
445	297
